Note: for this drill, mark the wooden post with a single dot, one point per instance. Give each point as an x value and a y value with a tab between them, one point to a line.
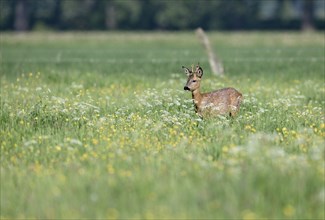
215	63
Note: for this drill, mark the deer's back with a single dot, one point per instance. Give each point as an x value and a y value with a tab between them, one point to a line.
222	101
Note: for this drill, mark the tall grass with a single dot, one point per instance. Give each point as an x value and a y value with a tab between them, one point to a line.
98	126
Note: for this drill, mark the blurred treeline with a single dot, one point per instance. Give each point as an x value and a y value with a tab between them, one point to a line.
23	15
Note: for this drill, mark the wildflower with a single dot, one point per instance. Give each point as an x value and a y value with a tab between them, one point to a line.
74	141
250	128
249	215
225	149
37	168
95	141
84	156
112	213
289	211
110	169
125	173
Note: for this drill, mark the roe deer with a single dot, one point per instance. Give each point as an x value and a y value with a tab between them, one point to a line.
222	101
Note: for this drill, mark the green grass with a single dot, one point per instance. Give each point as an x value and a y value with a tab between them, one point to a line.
96	125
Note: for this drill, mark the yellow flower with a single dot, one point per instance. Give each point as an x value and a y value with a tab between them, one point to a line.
112	213
225	149
84	156
95	141
110	169
249	215
289	211
125	173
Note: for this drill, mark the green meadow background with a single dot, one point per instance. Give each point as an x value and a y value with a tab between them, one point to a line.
97	125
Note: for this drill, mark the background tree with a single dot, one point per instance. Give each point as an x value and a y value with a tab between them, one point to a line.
21	15
25	15
307	15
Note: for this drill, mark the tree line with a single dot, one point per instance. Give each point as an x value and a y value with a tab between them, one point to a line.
24	15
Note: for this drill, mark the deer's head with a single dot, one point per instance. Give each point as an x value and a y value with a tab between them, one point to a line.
194	77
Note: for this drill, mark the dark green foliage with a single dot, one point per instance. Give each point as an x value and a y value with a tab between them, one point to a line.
161	14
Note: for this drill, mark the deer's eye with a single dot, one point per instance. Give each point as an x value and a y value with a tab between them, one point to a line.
193	80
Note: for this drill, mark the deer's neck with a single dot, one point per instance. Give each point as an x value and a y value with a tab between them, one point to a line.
197	98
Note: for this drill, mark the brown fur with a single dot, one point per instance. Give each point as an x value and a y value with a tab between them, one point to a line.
222	101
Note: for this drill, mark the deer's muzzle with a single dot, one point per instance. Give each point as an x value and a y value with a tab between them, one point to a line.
186	88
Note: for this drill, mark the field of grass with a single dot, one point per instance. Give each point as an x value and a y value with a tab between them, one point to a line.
97	125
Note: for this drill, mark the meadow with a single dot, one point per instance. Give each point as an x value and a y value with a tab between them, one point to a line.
97	125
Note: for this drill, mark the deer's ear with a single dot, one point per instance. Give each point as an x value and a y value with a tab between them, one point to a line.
187	71
199	72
